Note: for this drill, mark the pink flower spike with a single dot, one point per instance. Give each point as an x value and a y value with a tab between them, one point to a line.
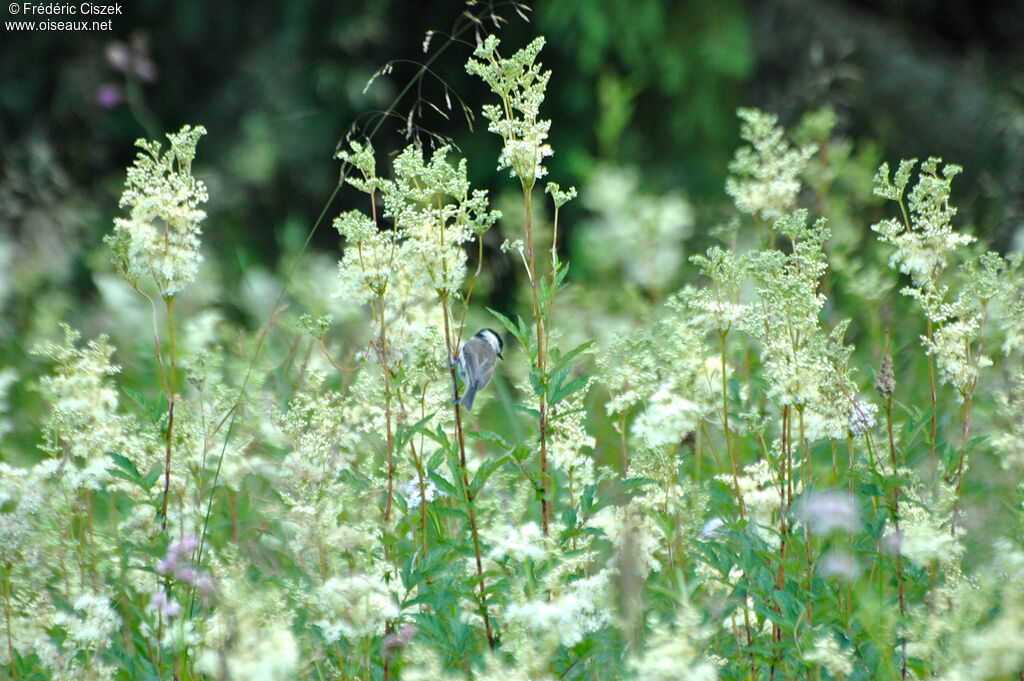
108	95
158	600
187	574
185	546
167	565
204	585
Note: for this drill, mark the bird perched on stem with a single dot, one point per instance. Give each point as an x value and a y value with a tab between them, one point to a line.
477	360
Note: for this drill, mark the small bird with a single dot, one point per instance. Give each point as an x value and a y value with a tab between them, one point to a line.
477	360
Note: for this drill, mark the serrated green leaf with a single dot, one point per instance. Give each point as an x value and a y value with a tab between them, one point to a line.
568	389
486	470
527	410
490	437
516	331
125	464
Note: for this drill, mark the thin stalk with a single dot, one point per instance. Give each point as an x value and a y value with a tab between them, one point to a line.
420	478
170	410
784	491
896	524
849	533
623	448
541	360
7	616
805	453
723	334
934	402
470	508
382	341
965	432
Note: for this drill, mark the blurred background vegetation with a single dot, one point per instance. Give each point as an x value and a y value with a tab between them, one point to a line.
646	87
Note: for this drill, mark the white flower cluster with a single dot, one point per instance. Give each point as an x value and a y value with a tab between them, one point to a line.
434	212
520	543
862	417
664	368
805	367
925	537
675	653
160	237
827	653
719	303
84	421
353	607
925	238
520	84
248	635
1009	441
766	174
634	232
956	360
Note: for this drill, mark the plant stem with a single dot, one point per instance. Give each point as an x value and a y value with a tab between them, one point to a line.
454	357
965	432
7	616
783	509
541	360
934	402
896	525
382	350
723	334
170	409
808	534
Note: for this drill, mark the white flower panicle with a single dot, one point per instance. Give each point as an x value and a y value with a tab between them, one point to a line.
434	213
829	511
520	84
766	174
925	237
675	653
634	232
828	654
354	607
160	236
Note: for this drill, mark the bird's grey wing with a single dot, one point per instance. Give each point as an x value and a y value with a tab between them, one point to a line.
484	372
468	367
479	371
469	359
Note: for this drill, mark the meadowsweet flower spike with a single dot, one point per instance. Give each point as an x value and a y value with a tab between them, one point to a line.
520	84
560	196
766	174
160	236
925	237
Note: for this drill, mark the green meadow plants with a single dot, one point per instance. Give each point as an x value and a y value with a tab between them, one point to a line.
796	454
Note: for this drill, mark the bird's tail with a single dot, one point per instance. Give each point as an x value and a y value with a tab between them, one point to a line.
467	397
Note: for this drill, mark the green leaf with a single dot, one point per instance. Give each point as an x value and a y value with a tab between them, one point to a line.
150	480
152	411
404	433
443	485
538	387
486	470
565	391
520	453
520	331
490	437
125	464
527	410
564	360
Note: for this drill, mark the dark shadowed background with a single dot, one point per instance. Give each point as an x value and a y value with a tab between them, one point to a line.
652	84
